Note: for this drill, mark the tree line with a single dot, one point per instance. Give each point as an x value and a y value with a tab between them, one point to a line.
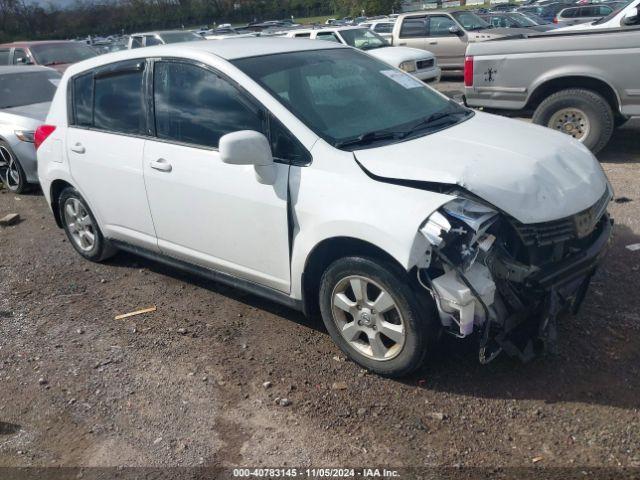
21	20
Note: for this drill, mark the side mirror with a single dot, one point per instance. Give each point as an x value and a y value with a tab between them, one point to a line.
455	30
631	19
23	61
247	147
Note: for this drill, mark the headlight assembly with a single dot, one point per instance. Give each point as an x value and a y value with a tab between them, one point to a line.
458	229
408	66
25	135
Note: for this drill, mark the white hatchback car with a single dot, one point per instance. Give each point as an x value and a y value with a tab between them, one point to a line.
317	176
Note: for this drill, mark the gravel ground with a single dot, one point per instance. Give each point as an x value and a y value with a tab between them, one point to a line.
185	385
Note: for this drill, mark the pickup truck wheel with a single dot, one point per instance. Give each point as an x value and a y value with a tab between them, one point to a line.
583	114
82	228
374	316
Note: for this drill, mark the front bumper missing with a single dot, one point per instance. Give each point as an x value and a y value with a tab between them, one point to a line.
562	287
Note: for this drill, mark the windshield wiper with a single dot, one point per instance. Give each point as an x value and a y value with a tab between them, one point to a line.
53	63
437	119
367	138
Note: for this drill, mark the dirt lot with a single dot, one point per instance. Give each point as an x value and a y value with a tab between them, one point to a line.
184	385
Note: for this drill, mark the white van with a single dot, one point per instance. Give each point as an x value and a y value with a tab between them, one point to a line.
319	177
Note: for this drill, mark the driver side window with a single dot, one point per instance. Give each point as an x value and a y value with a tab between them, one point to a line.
439	26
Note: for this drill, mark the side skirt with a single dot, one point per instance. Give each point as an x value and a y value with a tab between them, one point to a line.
214	275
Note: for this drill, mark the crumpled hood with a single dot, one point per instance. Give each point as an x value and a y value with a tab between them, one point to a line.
36	111
530	172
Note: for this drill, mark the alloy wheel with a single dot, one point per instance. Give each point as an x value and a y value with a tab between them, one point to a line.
9	169
79	224
368	318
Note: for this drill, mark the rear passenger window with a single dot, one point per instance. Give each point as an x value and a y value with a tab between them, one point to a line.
195	106
4	57
118	103
413	27
383	28
111	99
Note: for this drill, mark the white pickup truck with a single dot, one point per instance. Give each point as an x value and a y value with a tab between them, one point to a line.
580	83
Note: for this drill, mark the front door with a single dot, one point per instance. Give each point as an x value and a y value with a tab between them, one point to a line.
207	212
448	47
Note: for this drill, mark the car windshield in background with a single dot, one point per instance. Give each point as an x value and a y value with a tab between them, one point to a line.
520	20
27	88
178	37
470	21
61	53
350	99
363	38
611	15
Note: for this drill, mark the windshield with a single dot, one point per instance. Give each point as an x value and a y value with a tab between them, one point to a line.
535	18
61	53
363	38
521	20
346	96
177	37
27	88
610	16
470	21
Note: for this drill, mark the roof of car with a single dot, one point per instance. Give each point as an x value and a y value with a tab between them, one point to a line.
228	49
420	13
28	43
160	32
6	70
328	29
234	48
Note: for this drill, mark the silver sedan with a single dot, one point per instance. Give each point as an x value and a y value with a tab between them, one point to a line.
25	95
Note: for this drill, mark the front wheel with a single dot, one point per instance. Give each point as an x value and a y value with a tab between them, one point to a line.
375	317
583	114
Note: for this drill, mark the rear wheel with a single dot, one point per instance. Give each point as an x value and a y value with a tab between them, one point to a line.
11	172
82	228
583	114
374	316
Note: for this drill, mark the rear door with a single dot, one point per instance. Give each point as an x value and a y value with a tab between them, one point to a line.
105	142
448	47
414	32
207	212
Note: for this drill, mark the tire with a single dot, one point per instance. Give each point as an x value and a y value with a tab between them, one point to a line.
596	110
81	227
414	317
11	172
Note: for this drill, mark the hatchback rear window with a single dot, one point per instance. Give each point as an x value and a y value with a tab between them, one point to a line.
19	89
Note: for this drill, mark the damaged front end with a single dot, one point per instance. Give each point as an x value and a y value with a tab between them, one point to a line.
508	281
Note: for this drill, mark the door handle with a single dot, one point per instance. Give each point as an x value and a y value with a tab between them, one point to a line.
433	43
78	148
161	165
402	44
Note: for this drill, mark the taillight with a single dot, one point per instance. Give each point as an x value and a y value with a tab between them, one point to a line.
468	71
42	133
555	19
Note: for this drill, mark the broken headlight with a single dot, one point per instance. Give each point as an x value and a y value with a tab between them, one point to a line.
459	230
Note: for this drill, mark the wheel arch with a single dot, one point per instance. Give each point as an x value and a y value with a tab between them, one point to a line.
56	189
553	85
325	253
